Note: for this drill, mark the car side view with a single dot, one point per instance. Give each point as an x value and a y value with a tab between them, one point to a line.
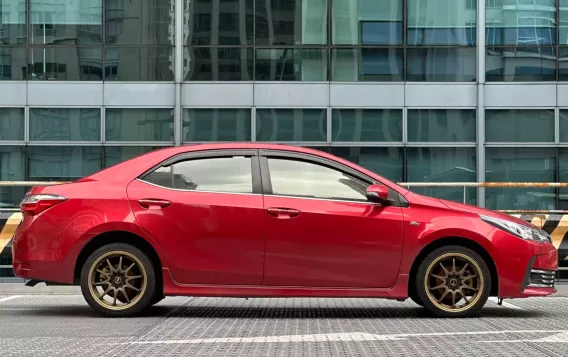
266	220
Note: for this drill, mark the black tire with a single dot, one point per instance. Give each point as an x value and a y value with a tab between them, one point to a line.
147	292
159	296
414	297
479	268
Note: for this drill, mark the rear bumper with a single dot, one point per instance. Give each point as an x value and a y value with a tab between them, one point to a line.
38	252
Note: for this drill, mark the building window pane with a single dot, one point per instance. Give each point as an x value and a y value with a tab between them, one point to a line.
366	125
563	25
563	177
65	64
291	125
13	64
66	22
12	168
139	124
562	63
63	163
11	124
443	165
520	64
563	125
218	64
367	22
367	64
201	125
443	22
13	22
291	64
227	22
65	124
441	64
514	125
441	125
139	64
521	23
140	22
116	154
520	165
385	161
291	22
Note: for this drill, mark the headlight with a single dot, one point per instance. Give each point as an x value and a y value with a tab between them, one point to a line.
519	230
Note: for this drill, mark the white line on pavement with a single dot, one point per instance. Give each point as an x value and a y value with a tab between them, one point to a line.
353	336
9	298
556	338
506	304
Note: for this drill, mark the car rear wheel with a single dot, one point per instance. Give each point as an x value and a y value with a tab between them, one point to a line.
118	280
453	281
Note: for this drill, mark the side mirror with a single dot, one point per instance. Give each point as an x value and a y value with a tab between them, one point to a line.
377	193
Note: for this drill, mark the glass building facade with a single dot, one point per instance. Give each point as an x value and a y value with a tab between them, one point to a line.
417	90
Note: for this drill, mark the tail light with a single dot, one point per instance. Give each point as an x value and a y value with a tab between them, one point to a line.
34	204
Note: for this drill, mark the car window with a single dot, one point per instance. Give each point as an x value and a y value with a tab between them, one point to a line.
306	179
226	174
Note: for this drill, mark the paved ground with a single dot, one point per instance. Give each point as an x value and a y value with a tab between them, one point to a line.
63	325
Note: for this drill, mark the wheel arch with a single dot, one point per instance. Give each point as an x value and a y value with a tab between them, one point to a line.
118	236
468	243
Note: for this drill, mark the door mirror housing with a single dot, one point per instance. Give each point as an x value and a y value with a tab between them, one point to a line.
378	193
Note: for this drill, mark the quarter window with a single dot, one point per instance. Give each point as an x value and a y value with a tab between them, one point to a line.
227	174
304	179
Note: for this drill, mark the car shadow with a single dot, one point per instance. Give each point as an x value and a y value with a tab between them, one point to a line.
278	312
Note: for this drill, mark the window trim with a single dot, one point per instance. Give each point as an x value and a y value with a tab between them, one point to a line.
208	154
265	154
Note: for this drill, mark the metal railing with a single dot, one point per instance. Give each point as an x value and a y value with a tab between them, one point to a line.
409	185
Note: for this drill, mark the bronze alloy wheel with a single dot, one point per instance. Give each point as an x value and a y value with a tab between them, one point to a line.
454	282
117	280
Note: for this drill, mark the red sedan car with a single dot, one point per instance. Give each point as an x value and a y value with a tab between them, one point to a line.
262	220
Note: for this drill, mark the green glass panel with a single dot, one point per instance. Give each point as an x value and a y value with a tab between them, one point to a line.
63	163
117	154
366	125
291	125
385	161
11	124
520	165
65	124
519	125
441	125
201	125
443	164
139	124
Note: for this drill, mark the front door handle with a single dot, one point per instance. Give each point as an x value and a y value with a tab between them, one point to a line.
283	212
149	202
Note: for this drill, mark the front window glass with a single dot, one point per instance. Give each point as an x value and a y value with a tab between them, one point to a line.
304	179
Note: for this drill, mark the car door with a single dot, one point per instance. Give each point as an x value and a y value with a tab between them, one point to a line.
205	211
321	231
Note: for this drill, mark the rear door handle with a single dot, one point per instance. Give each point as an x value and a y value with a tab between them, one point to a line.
282	212
148	202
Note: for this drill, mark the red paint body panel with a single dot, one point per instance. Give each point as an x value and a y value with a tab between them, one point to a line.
208	238
212	244
333	244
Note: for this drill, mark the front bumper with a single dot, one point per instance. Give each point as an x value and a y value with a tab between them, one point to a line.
525	268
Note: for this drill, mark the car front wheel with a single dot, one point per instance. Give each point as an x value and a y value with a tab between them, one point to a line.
453	281
118	280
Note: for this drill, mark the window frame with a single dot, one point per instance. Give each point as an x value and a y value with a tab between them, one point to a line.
395	198
210	154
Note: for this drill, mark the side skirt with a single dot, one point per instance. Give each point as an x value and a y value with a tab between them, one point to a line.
173	288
